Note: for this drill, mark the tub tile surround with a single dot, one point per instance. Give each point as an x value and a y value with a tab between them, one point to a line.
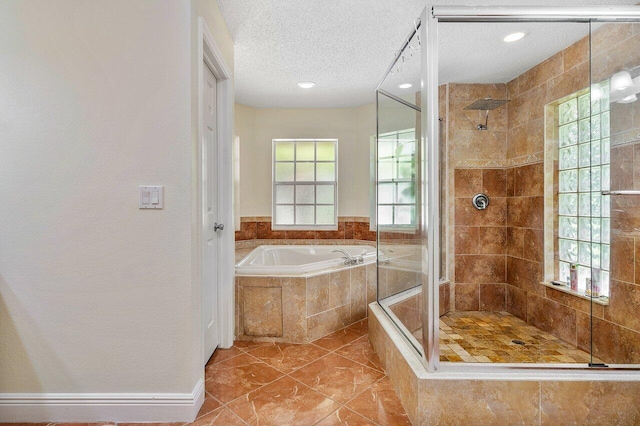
349	228
446	398
302	309
486	277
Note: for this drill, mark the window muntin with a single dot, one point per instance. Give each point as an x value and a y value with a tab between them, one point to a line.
583	172
305	175
396	177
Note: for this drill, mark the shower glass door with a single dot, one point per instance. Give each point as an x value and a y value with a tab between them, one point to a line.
545	273
614	179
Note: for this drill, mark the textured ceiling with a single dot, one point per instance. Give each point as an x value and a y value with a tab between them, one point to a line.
345	46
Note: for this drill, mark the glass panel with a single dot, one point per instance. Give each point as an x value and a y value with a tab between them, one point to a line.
615	171
405	170
305	151
325	215
284	194
406	193
596	149
325	172
569	134
386	149
568	227
398	236
568	250
325	194
568	111
386	193
284	151
404	215
284	172
584	130
568	158
595	127
325	151
284	215
304	215
584	106
568	204
304	172
584	228
584	204
385	215
584	150
569	181
305	194
385	170
584	177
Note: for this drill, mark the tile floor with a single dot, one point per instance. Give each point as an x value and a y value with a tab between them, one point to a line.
488	337
335	380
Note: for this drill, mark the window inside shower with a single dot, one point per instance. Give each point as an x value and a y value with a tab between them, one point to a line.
583	222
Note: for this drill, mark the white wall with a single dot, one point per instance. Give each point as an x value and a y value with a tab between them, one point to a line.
256	127
96	99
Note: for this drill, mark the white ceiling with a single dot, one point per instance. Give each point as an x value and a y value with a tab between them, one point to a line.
345	46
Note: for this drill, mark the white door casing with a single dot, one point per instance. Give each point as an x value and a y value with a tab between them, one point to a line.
217	254
209	159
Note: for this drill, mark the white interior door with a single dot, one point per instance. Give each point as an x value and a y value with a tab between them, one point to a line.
210	228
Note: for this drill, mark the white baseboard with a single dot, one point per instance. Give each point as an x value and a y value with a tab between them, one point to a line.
101	407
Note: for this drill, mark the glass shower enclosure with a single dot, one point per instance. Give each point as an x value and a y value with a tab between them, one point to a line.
546	129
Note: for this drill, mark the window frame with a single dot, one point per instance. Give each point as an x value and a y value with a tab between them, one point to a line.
604	214
294	183
375	183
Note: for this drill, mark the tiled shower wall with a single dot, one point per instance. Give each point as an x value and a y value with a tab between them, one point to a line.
616	328
475	163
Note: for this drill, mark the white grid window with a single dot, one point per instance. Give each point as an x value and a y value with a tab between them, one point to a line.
396	154
305	175
583	172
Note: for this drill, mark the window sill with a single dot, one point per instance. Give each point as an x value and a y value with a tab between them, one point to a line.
604	301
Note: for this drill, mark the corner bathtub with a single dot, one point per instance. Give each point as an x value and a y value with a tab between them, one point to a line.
297	294
290	260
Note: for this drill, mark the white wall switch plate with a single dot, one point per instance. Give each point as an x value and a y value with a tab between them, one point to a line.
151	197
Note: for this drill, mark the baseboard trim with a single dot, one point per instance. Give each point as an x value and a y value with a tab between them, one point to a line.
101	407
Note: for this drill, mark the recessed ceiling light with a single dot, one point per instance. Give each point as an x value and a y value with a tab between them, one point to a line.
405	85
514	37
628	99
621	81
306	84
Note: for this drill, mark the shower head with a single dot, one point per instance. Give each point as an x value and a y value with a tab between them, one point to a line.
486	104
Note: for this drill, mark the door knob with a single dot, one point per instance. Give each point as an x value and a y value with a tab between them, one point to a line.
218	227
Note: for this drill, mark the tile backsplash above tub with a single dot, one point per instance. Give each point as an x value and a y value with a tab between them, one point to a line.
349	228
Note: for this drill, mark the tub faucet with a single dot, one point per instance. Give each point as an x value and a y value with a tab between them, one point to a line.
349	259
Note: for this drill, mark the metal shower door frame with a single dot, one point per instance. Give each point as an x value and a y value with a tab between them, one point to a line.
430	17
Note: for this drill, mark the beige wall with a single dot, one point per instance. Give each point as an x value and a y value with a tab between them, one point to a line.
97	98
256	127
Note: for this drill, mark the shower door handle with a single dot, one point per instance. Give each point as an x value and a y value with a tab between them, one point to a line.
622	192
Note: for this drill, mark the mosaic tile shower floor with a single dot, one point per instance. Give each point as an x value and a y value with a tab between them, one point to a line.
489	337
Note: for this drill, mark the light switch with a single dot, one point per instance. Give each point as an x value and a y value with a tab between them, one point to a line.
151	197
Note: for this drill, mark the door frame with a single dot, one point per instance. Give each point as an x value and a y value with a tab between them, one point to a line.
209	52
